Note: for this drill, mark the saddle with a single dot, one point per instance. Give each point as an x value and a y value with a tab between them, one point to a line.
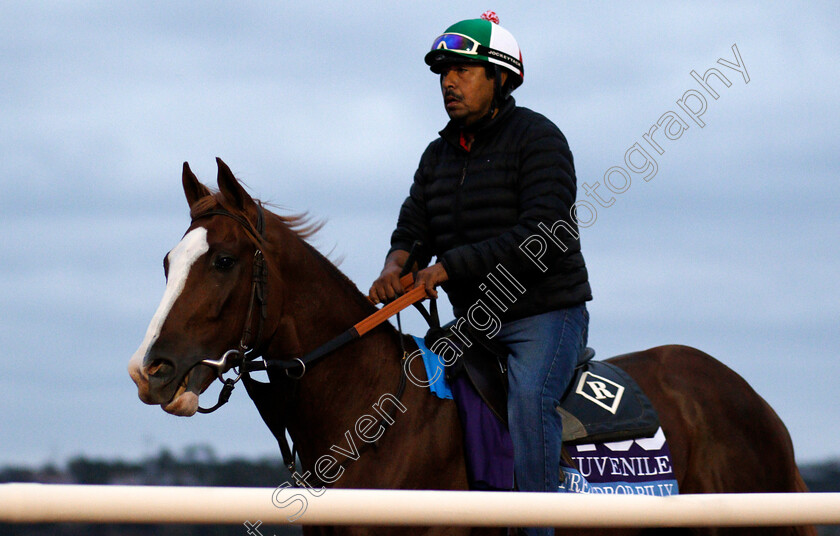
602	403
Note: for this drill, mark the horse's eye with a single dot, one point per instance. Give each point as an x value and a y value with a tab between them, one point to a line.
224	262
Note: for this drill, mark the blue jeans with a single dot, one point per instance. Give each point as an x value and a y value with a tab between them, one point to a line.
543	352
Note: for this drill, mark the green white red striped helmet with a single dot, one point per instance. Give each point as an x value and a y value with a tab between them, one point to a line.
481	41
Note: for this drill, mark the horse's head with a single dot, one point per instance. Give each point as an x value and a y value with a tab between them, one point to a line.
206	304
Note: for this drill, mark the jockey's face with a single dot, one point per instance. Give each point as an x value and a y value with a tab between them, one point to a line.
467	92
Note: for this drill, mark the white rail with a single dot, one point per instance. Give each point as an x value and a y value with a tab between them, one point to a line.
44	503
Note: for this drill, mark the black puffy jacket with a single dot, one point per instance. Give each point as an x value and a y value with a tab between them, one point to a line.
477	209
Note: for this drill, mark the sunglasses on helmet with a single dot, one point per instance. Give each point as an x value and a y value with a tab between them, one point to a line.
456	42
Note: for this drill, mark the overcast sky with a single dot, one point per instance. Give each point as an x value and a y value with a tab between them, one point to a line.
732	247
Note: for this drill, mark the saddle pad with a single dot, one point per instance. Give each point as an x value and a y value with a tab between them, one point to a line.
631	467
640	466
434	371
602	404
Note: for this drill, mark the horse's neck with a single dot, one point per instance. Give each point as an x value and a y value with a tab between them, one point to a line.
341	387
322	301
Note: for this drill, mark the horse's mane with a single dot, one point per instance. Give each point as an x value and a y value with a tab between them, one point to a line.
301	225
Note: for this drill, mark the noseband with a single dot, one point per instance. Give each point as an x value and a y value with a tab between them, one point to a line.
234	357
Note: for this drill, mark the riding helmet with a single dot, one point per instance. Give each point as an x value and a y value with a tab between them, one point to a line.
480	41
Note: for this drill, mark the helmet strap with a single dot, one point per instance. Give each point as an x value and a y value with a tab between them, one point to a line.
501	90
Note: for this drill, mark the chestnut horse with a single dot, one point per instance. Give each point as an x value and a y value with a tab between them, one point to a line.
724	438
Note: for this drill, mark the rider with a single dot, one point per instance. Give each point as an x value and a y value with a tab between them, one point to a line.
496	192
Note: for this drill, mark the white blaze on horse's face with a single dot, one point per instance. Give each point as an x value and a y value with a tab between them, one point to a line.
181	259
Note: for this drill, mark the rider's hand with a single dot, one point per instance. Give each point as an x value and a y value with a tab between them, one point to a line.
387	286
431	277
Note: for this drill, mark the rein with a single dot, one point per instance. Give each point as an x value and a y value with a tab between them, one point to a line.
411	297
242	362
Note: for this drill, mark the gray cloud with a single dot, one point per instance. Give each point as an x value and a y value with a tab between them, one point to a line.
731	247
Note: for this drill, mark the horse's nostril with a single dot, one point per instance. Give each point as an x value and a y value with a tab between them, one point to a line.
160	368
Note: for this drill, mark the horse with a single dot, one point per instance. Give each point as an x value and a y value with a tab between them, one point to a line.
724	438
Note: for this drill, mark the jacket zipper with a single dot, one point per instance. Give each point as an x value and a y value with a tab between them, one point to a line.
458	227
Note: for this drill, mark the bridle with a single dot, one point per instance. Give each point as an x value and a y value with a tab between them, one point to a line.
243	360
235	357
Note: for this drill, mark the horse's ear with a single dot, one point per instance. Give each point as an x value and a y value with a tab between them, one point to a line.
193	189
230	187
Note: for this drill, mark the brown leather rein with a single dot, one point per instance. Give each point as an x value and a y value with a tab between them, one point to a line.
240	359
